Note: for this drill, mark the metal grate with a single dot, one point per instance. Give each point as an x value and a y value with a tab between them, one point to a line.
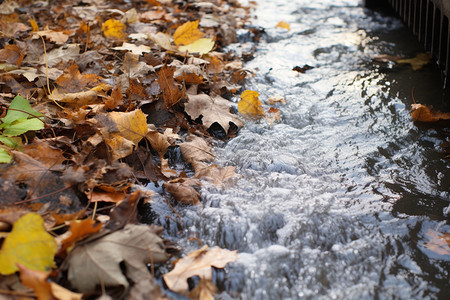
429	21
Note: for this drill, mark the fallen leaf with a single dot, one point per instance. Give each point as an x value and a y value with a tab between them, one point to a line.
163	40
302	69
79	229
64	54
183	190
219	176
55	36
134	247
276	99
46	154
439	242
27	244
273	115
12	55
73	81
195	149
198	262
114	29
250	104
212	109
171	93
384	58
205	290
131	125
62	293
423	113
283	25
187	33
138	50
113	197
420	60
200	46
36	280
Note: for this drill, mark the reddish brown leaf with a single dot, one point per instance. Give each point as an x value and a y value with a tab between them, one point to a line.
12	55
37	280
423	113
171	92
78	231
72	81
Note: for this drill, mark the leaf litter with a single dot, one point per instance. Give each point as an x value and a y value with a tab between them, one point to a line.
94	99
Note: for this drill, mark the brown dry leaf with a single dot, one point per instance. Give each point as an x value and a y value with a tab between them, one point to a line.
116	98
62	293
195	149
273	115
423	113
138	50
72	81
58	37
171	93
283	25
99	196
250	104
198	263
439	242
420	60
46	154
212	109
12	55
134	247
219	176
183	190
79	229
152	15
215	65
166	170
64	54
120	147
187	33
36	280
158	141
384	58
133	67
276	99
131	125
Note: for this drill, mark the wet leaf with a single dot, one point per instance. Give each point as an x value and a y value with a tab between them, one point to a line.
27	244
134	246
423	113
195	149
198	263
131	125
276	99
219	176
187	33
114	29
200	46
420	60
250	104
439	242
212	109
205	290
283	25
183	190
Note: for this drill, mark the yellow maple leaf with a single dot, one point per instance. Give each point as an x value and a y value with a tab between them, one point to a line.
417	62
187	33
113	29
27	244
201	46
131	125
284	25
250	104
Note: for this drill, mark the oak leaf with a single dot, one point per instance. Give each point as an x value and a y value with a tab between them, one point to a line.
198	262
187	33
212	109
183	190
195	149
27	244
250	104
134	247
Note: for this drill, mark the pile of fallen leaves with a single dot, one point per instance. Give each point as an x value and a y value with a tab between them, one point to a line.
95	98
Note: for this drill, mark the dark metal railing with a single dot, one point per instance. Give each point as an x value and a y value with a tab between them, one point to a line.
429	21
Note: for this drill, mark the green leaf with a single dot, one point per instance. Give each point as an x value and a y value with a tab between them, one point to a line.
21	127
10	142
19	108
5	157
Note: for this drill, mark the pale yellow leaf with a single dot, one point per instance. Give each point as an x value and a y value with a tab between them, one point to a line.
200	46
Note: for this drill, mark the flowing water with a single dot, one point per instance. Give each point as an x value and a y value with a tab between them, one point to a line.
339	199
